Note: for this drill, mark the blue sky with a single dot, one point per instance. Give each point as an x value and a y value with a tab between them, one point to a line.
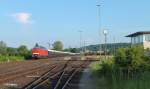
25	22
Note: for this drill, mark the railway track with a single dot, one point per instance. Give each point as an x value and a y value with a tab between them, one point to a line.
44	78
10	75
57	79
18	78
54	75
68	74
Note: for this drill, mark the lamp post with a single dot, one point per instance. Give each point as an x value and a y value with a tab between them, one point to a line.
105	32
99	27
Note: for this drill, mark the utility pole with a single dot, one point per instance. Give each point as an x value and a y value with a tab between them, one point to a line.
99	27
80	41
114	48
84	46
49	45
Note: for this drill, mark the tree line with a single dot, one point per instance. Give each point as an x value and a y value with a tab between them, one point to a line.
58	45
10	51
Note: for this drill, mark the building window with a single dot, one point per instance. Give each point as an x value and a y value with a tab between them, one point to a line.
137	39
147	37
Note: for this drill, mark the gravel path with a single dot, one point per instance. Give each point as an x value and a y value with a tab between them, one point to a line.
87	81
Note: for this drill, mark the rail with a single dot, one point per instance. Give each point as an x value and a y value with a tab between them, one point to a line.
62	84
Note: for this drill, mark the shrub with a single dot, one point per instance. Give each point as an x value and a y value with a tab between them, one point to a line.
121	58
129	69
126	61
107	66
130	57
104	67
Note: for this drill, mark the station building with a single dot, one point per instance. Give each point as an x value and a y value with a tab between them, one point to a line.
140	38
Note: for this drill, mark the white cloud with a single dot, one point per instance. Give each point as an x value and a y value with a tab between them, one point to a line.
23	17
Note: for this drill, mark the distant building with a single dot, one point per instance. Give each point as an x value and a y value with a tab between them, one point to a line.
142	38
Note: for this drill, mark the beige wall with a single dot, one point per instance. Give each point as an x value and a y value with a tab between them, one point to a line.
146	45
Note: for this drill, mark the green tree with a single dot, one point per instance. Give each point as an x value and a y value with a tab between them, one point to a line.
136	55
23	50
12	51
58	45
121	57
36	45
74	50
3	48
130	57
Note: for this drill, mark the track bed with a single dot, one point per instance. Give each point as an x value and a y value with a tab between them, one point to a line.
40	74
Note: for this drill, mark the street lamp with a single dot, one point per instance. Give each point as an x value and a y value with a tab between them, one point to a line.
99	27
105	32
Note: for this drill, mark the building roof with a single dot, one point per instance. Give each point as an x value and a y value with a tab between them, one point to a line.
138	33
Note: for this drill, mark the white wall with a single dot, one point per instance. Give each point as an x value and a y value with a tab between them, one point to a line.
147	37
142	39
137	39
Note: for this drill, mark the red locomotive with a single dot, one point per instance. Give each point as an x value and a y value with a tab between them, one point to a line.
39	52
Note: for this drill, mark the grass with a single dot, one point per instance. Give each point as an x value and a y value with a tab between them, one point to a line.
128	69
141	82
11	58
117	81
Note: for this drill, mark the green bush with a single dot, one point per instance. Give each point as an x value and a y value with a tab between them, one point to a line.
129	69
121	58
104	67
11	58
107	66
128	59
133	58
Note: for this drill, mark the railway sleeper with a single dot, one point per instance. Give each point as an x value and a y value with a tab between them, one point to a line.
63	79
